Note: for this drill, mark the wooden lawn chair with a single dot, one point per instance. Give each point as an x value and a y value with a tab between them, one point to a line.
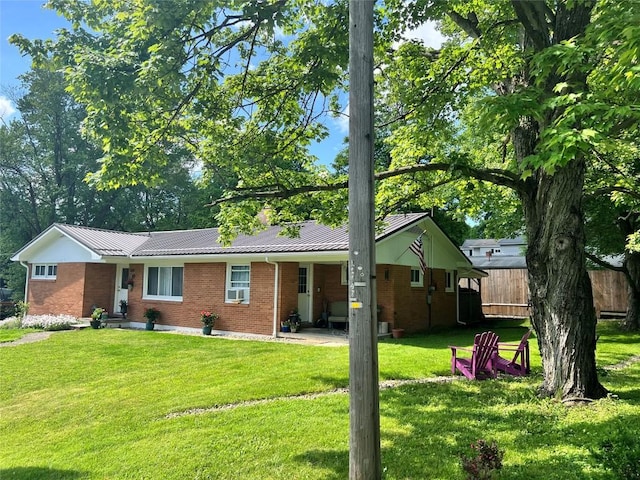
519	365
482	363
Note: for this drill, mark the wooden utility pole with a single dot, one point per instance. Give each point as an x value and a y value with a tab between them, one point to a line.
364	410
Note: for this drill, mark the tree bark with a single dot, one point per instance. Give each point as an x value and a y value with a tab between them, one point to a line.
563	314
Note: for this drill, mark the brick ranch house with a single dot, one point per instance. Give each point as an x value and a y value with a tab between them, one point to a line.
253	284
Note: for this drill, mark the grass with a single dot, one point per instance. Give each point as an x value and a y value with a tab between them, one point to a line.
97	404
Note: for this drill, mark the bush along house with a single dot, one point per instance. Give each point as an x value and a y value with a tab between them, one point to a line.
253	284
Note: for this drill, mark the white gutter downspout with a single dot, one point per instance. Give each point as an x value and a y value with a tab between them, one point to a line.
26	283
276	292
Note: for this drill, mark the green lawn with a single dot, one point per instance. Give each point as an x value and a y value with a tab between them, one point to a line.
98	404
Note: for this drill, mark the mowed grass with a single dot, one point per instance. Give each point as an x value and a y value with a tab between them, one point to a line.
117	404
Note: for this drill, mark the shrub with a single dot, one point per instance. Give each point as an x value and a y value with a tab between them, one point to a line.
22	308
49	322
10	323
620	453
152	314
486	463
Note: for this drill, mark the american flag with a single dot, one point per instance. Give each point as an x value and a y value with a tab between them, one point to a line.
416	248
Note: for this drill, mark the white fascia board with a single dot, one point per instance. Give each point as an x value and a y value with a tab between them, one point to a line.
310	257
48	238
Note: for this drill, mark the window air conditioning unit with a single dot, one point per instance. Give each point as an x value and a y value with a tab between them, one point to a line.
235	294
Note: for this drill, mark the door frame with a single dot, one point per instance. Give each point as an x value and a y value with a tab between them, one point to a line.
307	315
121	281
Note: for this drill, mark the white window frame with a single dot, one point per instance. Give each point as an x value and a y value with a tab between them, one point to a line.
449	280
418	283
344	273
170	298
50	271
232	286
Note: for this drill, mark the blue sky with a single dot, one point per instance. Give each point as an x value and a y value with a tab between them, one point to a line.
31	19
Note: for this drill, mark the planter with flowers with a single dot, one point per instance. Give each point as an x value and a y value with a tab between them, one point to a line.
151	314
208	319
294	321
96	317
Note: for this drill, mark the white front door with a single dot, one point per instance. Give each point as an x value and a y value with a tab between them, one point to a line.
122	289
304	293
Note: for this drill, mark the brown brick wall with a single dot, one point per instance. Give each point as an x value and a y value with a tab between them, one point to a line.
327	279
76	288
80	286
204	289
288	298
99	287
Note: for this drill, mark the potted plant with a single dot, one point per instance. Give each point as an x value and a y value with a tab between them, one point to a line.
208	319
151	314
294	321
124	306
130	284
96	317
285	326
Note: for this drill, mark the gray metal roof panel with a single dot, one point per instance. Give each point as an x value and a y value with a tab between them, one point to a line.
313	237
499	261
479	242
104	242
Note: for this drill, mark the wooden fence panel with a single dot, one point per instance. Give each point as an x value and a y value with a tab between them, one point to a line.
609	291
505	293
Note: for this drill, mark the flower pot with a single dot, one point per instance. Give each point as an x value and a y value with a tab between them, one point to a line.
206	330
95	323
397	332
285	328
150	326
294	329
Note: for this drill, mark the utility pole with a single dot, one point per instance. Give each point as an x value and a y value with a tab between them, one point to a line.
364	409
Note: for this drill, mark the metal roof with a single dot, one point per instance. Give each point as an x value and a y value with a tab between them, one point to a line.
498	261
492	242
314	237
104	242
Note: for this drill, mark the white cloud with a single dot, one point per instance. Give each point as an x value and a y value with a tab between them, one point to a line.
427	33
6	108
342	121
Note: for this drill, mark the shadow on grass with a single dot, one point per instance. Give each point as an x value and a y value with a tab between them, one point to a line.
39	473
335	460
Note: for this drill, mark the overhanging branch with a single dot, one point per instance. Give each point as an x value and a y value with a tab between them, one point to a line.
496	176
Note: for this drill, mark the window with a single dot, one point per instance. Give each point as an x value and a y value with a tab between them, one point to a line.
449	281
416	277
302	280
45	271
238	283
165	282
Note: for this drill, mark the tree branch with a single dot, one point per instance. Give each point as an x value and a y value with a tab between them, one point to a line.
496	176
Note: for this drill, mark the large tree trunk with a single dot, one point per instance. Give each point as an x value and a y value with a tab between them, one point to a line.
632	320
563	314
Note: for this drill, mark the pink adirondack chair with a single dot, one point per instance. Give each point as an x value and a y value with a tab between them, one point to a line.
482	363
519	365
